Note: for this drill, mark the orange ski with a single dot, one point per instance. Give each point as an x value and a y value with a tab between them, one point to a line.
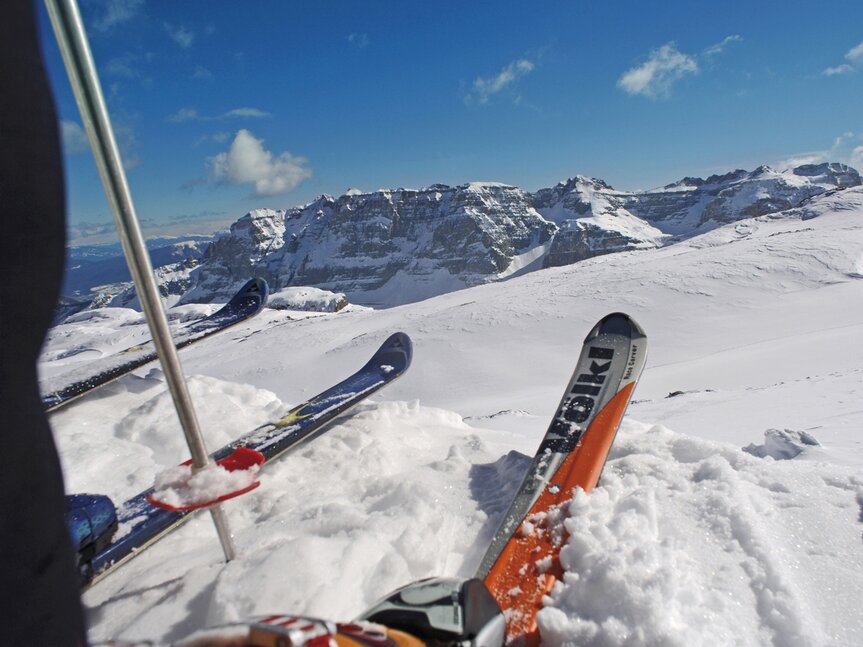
522	564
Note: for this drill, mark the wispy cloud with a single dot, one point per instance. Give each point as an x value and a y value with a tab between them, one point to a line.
127	140
856	159
206	214
666	65
190	185
844	68
252	113
86	229
74	138
359	40
184	114
75	142
484	88
662	69
191	114
184	37
846	148
126	66
719	47
218	138
248	162
111	13
812	157
201	72
854	56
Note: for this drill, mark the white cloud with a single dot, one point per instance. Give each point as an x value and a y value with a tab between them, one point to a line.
115	12
654	78
184	114
124	66
74	138
839	69
815	157
254	113
191	114
248	162
856	159
846	149
358	40
202	72
855	54
75	142
127	140
218	138
180	35
484	88
190	185
718	48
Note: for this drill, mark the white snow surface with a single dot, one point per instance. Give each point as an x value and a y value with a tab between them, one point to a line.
688	539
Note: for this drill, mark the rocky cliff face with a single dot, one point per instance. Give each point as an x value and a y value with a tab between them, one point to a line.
391	247
437	238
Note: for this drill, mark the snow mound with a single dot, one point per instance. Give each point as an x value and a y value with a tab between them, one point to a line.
381	499
782	444
307	299
400	491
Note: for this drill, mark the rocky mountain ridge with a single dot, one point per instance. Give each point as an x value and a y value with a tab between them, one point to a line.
396	246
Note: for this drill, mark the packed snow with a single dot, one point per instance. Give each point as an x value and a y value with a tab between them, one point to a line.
730	511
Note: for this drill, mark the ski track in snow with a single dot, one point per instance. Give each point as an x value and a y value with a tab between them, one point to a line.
688	540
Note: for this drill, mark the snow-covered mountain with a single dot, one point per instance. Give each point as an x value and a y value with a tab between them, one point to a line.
728	514
387	246
392	247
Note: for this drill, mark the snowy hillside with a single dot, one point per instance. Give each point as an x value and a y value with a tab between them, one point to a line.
688	540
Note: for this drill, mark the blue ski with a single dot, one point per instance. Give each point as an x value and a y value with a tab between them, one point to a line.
62	389
141	524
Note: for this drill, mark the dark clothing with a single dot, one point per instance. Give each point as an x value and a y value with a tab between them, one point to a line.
39	596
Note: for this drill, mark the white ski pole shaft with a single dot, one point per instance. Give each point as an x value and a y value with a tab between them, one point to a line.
72	40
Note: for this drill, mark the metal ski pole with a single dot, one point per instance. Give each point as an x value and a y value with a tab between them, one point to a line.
72	39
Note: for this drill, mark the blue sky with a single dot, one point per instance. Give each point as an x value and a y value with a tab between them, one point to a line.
221	107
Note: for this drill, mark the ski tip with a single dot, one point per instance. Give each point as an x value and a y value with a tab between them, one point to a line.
616	323
256	289
403	343
394	355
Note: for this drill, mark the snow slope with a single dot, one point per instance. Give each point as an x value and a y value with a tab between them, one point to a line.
688	540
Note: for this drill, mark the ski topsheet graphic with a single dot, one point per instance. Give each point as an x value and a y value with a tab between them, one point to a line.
63	388
522	562
141	523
